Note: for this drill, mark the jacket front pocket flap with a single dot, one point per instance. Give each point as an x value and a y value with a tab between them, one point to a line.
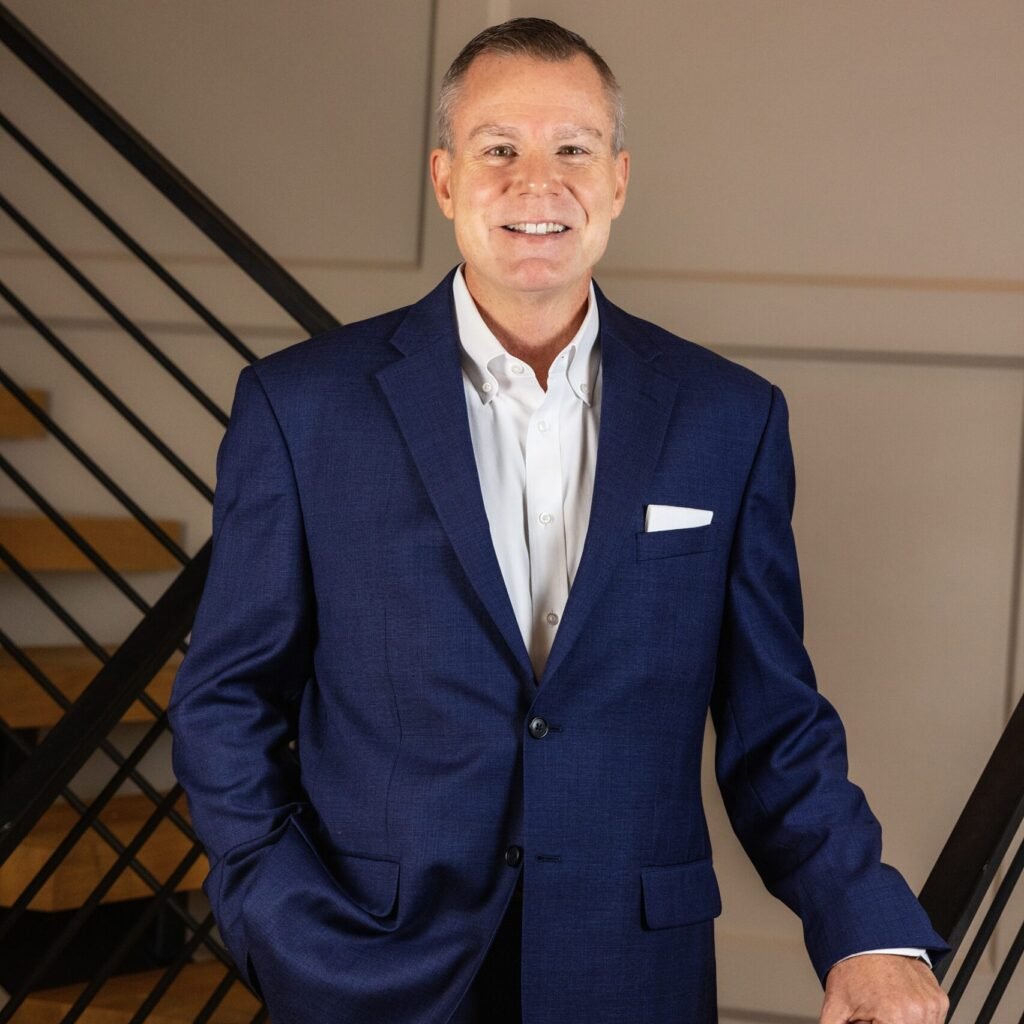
675	894
664	543
369	882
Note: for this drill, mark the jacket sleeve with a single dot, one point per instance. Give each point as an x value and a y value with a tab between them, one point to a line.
780	760
234	703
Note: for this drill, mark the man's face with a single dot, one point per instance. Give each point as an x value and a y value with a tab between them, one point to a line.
532	185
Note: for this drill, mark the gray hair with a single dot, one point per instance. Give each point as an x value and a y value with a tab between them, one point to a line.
526	37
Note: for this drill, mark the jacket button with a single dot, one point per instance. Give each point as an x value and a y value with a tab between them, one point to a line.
538	728
513	855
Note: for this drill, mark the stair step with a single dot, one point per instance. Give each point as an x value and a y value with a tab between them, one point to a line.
70	669
91	857
119	998
129	547
15	420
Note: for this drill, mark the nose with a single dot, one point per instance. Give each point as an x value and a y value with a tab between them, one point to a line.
538	176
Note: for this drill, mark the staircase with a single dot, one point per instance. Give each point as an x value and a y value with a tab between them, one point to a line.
101	913
183	1001
35	544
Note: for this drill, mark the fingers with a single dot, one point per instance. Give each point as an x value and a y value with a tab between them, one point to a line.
926	1009
887	991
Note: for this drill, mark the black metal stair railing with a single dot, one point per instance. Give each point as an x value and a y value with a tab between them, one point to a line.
49	765
971	862
269	275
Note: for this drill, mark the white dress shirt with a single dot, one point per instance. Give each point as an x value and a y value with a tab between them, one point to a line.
535	452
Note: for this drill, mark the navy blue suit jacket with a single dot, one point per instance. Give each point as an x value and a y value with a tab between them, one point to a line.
356	607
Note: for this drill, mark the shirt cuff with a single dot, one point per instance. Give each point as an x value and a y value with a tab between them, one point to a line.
920	954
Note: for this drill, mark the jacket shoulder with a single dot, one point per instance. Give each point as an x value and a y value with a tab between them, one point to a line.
352	350
694	365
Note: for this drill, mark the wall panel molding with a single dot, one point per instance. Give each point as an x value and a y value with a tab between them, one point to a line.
737	277
894	281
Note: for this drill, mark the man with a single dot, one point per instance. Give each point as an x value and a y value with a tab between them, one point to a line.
489	560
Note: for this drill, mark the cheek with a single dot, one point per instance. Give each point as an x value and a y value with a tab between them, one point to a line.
476	203
481	188
599	221
598	200
472	237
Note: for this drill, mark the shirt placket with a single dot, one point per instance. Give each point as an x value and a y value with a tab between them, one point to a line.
549	583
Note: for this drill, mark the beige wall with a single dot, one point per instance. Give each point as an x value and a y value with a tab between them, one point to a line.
829	191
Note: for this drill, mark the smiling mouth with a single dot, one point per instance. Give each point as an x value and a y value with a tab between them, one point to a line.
534	228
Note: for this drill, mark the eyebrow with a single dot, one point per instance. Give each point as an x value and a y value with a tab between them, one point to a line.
506	131
570	131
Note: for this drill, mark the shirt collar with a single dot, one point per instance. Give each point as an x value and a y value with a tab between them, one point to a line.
481	350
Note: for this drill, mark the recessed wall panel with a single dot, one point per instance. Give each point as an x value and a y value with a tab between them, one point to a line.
906	516
866	139
304	122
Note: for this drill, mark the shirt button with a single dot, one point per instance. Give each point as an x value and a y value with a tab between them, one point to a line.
542	425
513	855
516	367
584	388
552	618
487	386
545	517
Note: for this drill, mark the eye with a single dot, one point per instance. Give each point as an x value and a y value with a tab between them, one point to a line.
572	151
501	151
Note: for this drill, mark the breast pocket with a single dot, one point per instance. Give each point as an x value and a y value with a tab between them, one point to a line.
667	543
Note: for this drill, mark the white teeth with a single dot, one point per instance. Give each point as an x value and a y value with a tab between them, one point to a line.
531	228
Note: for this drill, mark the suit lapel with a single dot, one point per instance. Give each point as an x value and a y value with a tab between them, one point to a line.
636	403
426	394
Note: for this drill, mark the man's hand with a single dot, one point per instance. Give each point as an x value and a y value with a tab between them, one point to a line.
884	989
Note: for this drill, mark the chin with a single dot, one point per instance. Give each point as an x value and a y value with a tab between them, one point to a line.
535	276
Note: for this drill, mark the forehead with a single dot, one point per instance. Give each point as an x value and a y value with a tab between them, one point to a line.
500	88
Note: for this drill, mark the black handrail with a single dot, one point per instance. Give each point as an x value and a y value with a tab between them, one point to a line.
72	740
58	433
127	240
112	753
81	915
99	385
194	204
979	840
51	765
17	568
113	311
90	820
65	527
174	968
1006	971
986	930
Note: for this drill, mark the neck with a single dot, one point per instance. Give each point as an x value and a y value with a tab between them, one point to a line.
533	327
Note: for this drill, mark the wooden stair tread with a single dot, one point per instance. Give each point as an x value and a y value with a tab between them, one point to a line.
121	996
15	420
40	546
70	668
91	857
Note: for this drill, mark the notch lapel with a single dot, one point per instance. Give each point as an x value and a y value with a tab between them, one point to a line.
636	404
426	394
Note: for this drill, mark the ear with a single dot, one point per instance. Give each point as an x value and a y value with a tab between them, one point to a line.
621	182
440	177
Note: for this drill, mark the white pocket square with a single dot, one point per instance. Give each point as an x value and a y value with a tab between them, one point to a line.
675	517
